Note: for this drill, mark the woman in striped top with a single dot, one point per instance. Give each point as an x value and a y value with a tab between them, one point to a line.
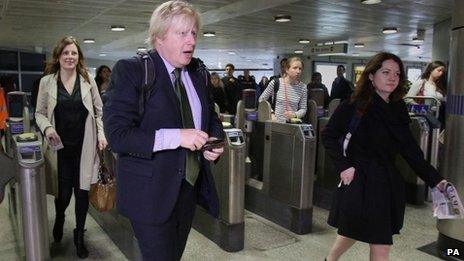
291	94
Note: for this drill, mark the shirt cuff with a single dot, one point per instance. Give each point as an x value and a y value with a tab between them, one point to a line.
166	139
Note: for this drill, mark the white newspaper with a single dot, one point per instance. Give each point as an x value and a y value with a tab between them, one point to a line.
447	204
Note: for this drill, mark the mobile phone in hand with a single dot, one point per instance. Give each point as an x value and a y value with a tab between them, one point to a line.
213	144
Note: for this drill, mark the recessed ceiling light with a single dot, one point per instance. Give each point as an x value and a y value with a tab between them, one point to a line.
102	54
355	54
118	28
209	34
319	44
89	40
298	51
304	41
341	42
328	43
142	49
282	18
370	2
249	60
390	30
417	40
359	45
231	52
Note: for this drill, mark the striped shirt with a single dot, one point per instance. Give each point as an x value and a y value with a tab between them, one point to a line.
289	98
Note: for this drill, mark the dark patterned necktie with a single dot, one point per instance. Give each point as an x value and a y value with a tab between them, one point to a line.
192	166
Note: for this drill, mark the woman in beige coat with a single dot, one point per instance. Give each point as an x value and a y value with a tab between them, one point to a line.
69	111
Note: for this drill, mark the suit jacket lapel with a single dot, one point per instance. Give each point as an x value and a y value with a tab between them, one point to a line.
163	81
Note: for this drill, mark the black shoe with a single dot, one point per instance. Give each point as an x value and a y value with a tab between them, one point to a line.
58	228
81	250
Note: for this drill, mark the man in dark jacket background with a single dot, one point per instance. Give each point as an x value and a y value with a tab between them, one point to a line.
341	87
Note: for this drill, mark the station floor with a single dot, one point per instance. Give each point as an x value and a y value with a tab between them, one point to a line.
263	240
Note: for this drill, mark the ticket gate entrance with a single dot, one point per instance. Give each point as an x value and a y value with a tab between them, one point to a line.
27	199
284	195
227	231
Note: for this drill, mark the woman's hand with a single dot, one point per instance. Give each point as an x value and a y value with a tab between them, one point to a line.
213	154
347	176
52	137
102	143
289	114
442	185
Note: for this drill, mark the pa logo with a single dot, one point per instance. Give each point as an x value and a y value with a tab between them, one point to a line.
452	252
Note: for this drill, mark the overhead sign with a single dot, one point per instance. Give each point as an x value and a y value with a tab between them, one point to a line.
334	49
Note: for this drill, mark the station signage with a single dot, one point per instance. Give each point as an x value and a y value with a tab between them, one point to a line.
334	49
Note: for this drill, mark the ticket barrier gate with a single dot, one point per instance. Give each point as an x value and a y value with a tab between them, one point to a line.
425	131
284	196
227	231
27	199
326	178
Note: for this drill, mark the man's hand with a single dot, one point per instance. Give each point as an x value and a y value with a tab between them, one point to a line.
192	139
213	154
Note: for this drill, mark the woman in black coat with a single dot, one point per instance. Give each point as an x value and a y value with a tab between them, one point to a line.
369	204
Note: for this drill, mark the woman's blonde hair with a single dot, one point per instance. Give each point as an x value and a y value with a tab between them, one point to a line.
53	66
163	16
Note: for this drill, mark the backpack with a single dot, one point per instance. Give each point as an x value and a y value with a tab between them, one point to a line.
149	78
273	98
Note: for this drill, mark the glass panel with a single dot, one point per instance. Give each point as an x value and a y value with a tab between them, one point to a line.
358	69
9	81
32	62
328	72
414	74
8	60
27	81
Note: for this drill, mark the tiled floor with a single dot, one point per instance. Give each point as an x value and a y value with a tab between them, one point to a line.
263	240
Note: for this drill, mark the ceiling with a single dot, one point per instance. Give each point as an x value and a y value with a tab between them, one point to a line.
245	27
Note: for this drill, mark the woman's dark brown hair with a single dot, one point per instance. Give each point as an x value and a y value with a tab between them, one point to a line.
53	66
365	89
440	82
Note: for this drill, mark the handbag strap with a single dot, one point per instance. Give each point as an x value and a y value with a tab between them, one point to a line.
354	123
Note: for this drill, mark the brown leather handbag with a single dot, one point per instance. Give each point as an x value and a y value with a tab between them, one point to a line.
102	194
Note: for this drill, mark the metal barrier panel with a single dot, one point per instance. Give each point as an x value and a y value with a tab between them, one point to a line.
285	195
415	187
228	231
31	194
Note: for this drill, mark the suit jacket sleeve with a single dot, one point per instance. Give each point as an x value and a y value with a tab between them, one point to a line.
120	115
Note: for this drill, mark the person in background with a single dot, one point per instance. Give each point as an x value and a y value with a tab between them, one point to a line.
341	87
432	83
219	94
246	80
232	87
3	113
68	113
103	78
261	86
369	203
162	171
291	97
316	83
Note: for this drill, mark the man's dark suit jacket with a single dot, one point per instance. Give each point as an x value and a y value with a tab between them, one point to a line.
149	183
